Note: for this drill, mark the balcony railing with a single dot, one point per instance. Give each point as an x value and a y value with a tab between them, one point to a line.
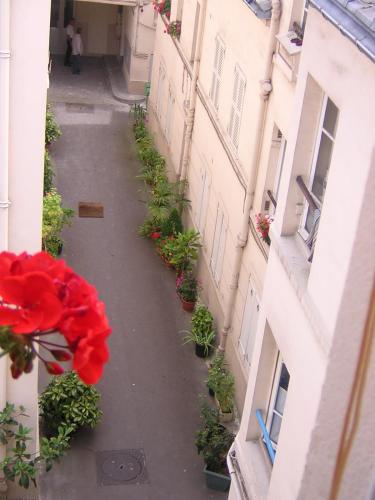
315	206
265	436
271	197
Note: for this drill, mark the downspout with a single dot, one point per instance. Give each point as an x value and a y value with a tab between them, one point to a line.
265	90
4	165
186	141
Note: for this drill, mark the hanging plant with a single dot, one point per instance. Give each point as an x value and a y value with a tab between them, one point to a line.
174	29
263	223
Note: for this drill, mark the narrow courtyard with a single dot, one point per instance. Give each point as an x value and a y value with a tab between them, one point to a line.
151	385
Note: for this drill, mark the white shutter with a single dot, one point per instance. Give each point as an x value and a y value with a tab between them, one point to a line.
160	94
217	71
203	200
218	246
237	105
168	116
249	324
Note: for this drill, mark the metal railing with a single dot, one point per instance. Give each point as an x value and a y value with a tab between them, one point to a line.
266	436
271	197
310	198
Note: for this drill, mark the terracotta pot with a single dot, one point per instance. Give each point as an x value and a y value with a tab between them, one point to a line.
187	306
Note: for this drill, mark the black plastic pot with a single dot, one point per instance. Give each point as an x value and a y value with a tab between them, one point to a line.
215	481
200	351
211	392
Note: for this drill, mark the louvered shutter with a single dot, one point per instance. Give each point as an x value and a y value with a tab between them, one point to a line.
217	71
237	105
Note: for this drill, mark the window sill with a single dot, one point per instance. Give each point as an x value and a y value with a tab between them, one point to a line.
254	466
293	255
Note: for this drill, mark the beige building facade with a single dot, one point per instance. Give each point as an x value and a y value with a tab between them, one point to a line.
268	108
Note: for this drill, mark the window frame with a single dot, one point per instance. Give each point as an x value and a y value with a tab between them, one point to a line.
252	302
318	139
160	90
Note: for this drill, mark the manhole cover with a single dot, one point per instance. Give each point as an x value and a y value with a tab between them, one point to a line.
72	107
88	209
121	467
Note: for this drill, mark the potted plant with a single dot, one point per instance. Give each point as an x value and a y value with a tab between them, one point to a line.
263	223
174	29
68	401
55	217
220	383
202	331
187	290
213	442
52	131
183	249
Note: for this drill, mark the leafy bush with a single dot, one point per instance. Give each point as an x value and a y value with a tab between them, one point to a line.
172	225
187	287
182	250
68	401
213	440
48	173
53	131
55	217
18	463
202	331
221	381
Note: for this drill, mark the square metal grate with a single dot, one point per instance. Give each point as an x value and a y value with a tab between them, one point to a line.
72	107
89	209
121	467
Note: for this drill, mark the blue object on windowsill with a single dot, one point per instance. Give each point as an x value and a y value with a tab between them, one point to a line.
266	436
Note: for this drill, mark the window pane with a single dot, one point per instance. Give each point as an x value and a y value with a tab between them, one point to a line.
322	166
275	428
330	118
284	378
280	400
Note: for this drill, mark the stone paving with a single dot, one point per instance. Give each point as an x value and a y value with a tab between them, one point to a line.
151	385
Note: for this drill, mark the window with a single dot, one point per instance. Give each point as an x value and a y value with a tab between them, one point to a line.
249	324
169	116
277	402
320	166
217	71
237	104
202	202
160	91
275	168
218	246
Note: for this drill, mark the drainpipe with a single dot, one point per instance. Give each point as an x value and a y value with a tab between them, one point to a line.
4	163
265	90
186	141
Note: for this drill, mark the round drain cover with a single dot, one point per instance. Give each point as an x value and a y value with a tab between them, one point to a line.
122	467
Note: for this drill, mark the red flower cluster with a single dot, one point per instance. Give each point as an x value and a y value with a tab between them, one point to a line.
39	296
163	7
263	225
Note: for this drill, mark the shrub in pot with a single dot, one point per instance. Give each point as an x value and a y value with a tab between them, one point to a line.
183	249
55	217
221	383
68	401
187	290
172	225
213	442
202	331
48	173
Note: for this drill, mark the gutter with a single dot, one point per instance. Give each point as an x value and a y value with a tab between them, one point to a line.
237	485
242	238
4	173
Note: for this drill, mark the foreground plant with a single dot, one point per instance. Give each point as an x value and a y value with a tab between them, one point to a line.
20	465
53	131
68	401
41	296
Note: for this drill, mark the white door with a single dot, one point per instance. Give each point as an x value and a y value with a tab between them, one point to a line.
61	12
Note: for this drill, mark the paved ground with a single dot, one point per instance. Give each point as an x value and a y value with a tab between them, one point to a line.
151	385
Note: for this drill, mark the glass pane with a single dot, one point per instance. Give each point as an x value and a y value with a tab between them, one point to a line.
309	220
322	166
284	378
280	400
330	118
55	10
275	428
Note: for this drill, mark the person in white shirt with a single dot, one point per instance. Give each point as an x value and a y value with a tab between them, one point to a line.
77	49
69	30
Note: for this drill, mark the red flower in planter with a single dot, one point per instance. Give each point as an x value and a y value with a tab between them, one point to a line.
41	296
263	223
155	235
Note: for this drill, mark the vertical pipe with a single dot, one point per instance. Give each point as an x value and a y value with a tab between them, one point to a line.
4	165
265	90
186	141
